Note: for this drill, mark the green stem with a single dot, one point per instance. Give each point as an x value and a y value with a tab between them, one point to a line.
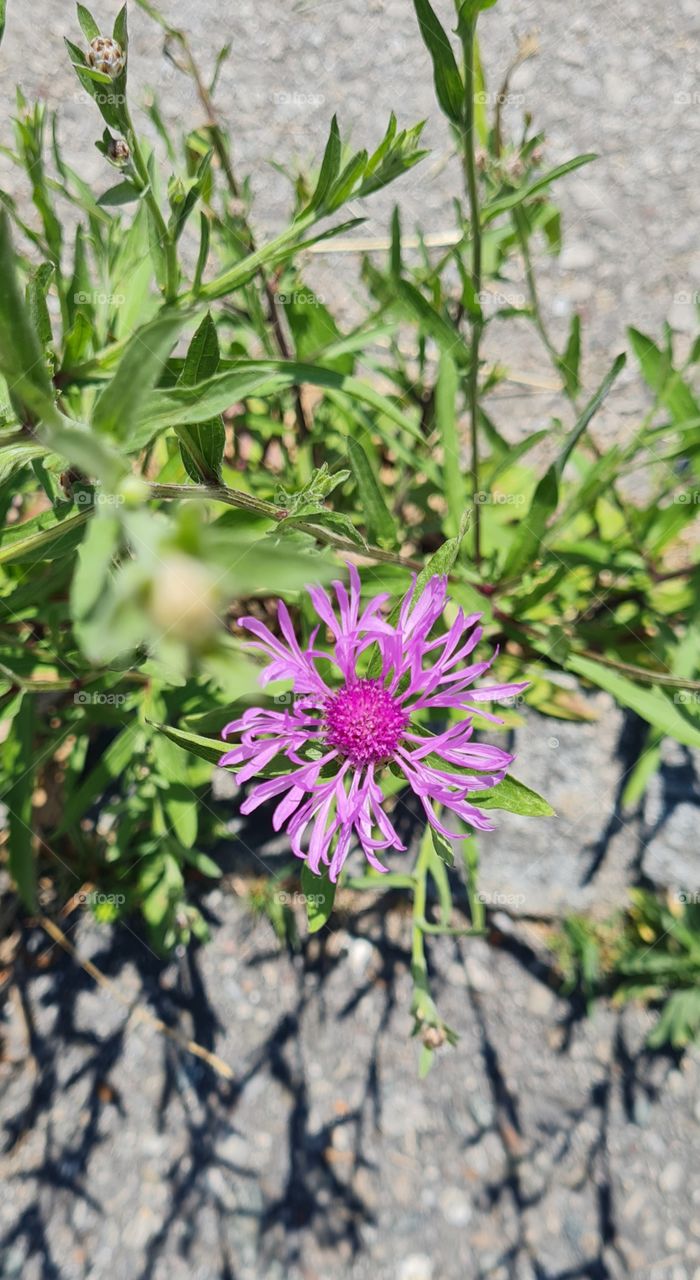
518	223
172	270
246	501
419	967
469	165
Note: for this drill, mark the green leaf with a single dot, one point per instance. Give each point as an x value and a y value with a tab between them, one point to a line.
21	359
651	704
120	31
123	193
570	362
442	562
513	796
502	204
679	1021
202	444
210	749
448	81
320	896
3	6
330	167
18	767
94	560
140	367
442	847
33	541
531	530
88	25
181	405
663	379
380	523
433	323
113	762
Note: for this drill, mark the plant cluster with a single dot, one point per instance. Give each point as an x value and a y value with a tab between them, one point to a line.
188	434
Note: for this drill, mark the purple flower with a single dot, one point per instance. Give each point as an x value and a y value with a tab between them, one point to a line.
336	738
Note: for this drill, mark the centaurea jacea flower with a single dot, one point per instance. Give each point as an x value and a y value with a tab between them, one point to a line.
338	738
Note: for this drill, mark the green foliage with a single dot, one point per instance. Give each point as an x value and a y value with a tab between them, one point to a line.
189	432
648	953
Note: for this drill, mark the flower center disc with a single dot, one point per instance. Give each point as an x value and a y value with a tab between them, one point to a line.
364	722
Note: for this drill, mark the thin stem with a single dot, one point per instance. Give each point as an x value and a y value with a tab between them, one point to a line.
469	165
246	501
172	270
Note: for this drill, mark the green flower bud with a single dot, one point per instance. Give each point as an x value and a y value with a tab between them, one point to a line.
184	601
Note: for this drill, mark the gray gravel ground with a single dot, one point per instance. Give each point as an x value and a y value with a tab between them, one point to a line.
545	1145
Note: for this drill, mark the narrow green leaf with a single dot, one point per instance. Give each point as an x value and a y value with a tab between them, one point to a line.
21	359
657	708
180	405
210	749
330	167
113	762
18	762
202	444
141	365
513	796
448	81
571	360
502	204
320	896
531	530
94	559
442	847
663	379
380	523
88	25
436	325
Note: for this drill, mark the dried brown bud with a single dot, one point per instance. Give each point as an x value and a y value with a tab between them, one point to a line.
106	55
118	151
433	1037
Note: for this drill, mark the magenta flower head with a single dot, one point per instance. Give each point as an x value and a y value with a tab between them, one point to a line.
331	746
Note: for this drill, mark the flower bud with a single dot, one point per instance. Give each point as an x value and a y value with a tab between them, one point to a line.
118	151
184	600
133	491
106	55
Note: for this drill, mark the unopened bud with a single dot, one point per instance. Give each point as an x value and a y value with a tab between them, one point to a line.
184	600
106	55
118	151
133	491
433	1037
